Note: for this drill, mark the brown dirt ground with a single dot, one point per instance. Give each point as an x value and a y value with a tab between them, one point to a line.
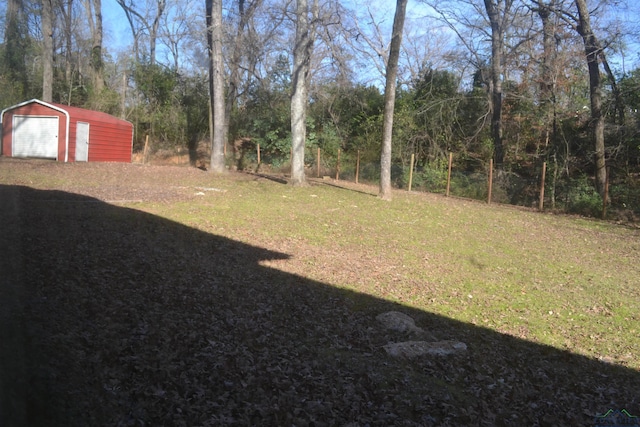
111	316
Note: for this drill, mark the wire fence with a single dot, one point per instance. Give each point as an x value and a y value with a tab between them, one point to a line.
540	186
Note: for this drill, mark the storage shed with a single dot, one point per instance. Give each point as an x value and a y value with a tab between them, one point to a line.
67	134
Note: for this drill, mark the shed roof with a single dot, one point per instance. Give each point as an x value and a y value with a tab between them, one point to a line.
71	111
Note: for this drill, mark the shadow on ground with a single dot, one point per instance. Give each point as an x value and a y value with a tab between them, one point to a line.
112	316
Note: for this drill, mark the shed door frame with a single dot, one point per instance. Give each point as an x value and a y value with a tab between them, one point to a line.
82	141
35	136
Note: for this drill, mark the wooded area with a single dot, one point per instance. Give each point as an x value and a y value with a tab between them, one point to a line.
521	82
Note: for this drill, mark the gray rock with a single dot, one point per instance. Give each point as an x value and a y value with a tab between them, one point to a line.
398	322
413	349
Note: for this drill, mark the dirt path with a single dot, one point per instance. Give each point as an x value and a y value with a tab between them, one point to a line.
12	350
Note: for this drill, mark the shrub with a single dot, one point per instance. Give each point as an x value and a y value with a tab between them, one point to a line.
583	199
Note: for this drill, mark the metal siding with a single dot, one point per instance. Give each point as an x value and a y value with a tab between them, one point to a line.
33	108
6	135
113	137
111	142
72	138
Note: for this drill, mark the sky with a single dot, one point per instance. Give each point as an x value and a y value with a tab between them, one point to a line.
118	33
116	26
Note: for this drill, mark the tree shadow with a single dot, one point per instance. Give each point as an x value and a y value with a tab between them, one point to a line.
334	184
125	318
277	179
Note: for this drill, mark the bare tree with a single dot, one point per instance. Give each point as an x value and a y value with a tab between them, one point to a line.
93	10
216	83
66	11
367	37
47	51
240	44
469	21
174	30
153	29
390	98
142	21
330	62
546	12
498	14
301	60
592	51
134	18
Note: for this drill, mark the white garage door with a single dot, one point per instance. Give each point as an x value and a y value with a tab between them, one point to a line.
35	137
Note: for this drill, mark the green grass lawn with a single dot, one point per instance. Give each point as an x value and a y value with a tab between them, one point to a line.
172	296
568	282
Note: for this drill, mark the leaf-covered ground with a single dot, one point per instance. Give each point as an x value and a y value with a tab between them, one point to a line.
127	303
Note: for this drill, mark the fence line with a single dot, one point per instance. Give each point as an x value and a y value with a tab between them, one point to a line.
576	195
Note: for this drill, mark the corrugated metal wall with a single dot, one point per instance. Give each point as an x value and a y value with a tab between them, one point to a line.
110	138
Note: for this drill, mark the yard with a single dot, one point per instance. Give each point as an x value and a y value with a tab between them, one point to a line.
162	295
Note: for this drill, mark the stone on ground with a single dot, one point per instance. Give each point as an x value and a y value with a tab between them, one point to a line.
398	322
413	349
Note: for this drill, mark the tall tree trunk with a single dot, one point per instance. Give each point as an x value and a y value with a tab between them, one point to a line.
496	11
47	51
65	9
153	30
592	51
96	49
94	18
390	99
216	83
301	59
547	78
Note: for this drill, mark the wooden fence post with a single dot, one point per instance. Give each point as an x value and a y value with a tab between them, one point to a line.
146	149
490	180
411	171
606	193
338	167
544	175
357	166
318	161
449	173
258	149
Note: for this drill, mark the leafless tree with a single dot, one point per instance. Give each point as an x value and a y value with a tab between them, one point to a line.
216	83
389	99
246	12
498	12
47	51
66	12
175	30
144	21
299	101
592	51
93	10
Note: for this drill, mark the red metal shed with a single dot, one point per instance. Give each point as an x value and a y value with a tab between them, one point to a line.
67	134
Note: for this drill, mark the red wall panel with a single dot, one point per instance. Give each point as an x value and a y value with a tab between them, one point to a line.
110	138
